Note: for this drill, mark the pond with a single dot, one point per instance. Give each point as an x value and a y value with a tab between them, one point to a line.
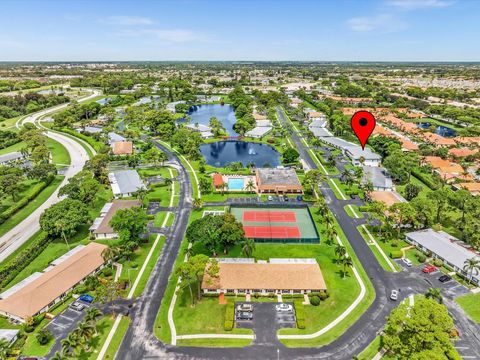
441	130
221	153
201	114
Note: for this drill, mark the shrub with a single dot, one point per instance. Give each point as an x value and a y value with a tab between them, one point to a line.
210	295
438	262
396	254
133	265
420	257
315	300
300	314
229	316
155	199
43	336
107	271
324	295
150	217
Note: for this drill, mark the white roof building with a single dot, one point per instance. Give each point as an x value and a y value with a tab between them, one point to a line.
124	183
258	132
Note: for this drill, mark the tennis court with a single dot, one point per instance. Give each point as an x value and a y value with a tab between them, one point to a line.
265	223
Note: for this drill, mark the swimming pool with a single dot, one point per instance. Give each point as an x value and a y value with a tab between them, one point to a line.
236	184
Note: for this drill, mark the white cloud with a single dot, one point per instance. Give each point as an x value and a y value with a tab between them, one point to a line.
383	22
127	20
166	35
419	4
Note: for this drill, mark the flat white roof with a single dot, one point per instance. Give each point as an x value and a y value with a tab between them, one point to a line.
258	131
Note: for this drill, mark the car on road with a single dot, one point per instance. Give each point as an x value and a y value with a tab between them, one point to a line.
284	307
444	278
270	198
244	315
407	262
77	306
394	295
86	298
429	269
245	307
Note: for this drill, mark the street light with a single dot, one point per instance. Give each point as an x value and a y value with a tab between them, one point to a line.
278	354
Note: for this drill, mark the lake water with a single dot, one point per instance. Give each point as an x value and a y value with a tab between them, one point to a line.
201	114
221	153
441	130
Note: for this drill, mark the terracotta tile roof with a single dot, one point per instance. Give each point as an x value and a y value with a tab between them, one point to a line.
259	117
266	276
473	187
472	140
39	293
437	161
408	145
387	197
217	180
462	152
123	148
104	227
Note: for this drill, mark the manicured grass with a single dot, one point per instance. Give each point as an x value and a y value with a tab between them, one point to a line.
471	305
20	215
15	147
371	350
9	124
381	260
117	339
60	155
6	324
159	218
215	342
218	197
336	189
33	348
150	265
353	211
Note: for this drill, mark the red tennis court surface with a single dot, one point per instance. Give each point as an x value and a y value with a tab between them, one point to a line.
272	232
269	216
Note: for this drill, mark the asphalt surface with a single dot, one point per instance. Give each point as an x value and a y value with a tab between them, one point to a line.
140	342
23	231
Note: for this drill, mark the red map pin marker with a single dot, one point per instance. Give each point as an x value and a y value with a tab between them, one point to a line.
363	123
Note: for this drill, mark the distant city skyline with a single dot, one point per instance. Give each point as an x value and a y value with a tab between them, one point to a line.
328	31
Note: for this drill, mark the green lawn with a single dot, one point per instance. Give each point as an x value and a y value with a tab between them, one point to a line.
371	350
215	342
117	339
20	215
15	147
60	155
33	348
353	211
159	218
386	247
471	305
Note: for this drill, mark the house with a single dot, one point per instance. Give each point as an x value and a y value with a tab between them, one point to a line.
9	335
453	252
259	117
101	228
280	276
387	197
320	132
171	106
125	183
122	148
361	156
446	169
42	291
91	129
114	137
379	177
11	157
218	181
278	181
204	130
461	152
258	132
472	187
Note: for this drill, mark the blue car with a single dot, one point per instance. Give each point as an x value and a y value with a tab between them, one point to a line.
86	298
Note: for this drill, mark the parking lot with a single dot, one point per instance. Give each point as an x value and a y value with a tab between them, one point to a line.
266	320
65	322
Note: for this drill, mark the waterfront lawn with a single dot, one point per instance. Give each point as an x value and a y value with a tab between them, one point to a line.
470	304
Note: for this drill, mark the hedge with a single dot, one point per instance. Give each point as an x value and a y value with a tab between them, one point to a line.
425	178
36	190
396	254
300	314
229	316
94	143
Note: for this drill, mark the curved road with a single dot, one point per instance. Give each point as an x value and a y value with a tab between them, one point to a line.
17	236
140	342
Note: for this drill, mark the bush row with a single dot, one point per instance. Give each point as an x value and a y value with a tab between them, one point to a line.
425	178
396	254
11	270
229	316
37	189
300	314
92	142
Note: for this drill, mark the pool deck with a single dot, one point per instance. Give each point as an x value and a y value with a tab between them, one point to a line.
245	179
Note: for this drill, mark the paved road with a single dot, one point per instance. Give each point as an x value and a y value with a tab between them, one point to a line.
140	343
14	238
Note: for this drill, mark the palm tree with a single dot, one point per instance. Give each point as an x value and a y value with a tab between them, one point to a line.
69	344
248	247
331	235
224	187
197	203
57	356
109	254
4	346
434	293
472	267
162	157
92	315
340	251
168	181
85	332
322	207
347	263
250	186
141	194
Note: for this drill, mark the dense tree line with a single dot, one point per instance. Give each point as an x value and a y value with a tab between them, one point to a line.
12	106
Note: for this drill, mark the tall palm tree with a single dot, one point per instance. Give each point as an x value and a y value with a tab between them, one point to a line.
331	235
224	187
340	251
472	267
93	314
4	346
250	186
109	254
197	203
58	356
85	332
70	343
347	263
248	247
141	194
434	293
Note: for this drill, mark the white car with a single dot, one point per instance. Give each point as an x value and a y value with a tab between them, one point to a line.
284	307
394	295
407	262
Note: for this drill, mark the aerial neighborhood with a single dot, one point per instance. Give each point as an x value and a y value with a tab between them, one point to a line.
230	209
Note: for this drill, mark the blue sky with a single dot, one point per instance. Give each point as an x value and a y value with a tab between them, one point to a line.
323	30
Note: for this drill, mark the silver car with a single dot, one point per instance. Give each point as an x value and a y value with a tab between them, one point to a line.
394	295
284	307
77	306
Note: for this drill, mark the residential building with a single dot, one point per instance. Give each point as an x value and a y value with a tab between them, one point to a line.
258	132
453	252
114	137
125	183
387	197
280	276
46	289
361	156
472	187
9	335
122	148
101	227
379	177
277	181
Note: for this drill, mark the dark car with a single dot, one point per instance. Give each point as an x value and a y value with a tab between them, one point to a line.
244	315
444	278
